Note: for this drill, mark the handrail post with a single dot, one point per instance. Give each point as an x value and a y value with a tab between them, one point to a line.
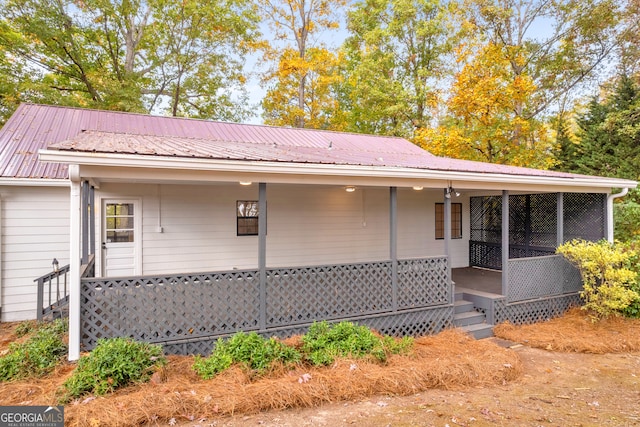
40	299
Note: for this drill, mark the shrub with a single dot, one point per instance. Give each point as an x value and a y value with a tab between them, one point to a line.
324	342
608	280
251	351
632	248
38	355
114	363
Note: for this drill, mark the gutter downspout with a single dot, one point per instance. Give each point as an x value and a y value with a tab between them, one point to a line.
610	199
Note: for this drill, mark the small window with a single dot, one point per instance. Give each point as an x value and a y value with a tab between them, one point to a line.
456	220
119	222
247	217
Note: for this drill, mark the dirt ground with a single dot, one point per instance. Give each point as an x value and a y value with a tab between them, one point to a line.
556	389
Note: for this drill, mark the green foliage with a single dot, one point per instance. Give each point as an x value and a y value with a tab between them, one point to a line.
114	363
632	248
38	355
627	219
324	342
25	328
609	134
608	280
252	351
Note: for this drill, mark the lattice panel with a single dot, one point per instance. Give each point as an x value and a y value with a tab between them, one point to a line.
486	219
534	311
544	276
533	221
423	282
169	307
585	216
409	323
486	255
300	295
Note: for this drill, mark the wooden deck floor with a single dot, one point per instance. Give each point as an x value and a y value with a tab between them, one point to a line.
478	279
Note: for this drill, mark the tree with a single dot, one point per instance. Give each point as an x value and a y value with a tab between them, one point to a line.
609	134
396	57
320	108
579	35
298	21
198	47
484	123
130	54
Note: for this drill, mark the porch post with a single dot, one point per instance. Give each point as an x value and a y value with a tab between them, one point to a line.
447	238
393	244
92	220
84	221
505	242
262	252
74	261
560	219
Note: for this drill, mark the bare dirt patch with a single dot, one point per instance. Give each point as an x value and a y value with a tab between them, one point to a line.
450	380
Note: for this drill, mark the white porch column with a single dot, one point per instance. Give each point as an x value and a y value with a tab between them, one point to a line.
505	242
75	246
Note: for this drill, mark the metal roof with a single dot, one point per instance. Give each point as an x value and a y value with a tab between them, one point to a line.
35	127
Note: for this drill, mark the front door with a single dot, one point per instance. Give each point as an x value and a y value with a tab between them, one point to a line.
121	238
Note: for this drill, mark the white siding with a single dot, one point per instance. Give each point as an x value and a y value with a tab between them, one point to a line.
35	229
306	225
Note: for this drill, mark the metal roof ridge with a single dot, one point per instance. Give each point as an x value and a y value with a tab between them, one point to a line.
199	120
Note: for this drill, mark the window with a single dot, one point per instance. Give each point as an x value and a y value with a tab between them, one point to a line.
247	217
456	220
119	222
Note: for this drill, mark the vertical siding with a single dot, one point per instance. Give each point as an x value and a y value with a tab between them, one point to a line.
35	229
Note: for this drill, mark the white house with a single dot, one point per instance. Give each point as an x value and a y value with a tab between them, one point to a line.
179	231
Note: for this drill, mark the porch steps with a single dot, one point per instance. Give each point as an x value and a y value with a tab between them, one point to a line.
470	320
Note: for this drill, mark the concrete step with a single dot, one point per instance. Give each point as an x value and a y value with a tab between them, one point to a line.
479	331
462	306
468	318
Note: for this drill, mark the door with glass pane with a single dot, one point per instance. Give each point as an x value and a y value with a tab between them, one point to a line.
120	238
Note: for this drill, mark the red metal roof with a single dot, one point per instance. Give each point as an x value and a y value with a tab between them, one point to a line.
34	127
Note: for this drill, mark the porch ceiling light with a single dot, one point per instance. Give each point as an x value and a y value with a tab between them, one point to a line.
350	189
418	187
245	182
449	191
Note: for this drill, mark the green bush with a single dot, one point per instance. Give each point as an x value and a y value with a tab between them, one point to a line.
632	249
324	343
38	354
609	282
251	351
114	363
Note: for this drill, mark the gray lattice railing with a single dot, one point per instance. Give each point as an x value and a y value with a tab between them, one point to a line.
182	310
542	276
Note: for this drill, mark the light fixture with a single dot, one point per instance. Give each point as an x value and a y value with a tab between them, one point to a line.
418	187
245	182
449	190
350	189
56	265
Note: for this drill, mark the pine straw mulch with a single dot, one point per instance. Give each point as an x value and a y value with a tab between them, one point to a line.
576	332
448	360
